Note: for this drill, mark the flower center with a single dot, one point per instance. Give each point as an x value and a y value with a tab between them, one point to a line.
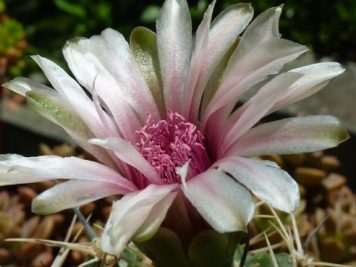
170	143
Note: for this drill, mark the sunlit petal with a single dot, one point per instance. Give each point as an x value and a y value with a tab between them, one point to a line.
267	181
129	214
174	41
72	194
220	200
290	136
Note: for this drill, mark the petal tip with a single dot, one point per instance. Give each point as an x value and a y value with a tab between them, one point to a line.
342	135
40	207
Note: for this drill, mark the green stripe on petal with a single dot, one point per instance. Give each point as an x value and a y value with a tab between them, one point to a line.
56	112
144	47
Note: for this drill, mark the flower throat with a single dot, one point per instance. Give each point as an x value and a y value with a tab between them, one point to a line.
170	143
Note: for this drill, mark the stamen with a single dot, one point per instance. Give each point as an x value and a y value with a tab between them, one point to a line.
170	143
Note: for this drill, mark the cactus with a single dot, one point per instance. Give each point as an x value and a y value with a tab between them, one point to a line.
278	246
325	197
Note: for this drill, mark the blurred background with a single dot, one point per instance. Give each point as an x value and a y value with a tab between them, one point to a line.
326	26
27	27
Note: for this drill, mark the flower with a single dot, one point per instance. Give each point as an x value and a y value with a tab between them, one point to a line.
159	116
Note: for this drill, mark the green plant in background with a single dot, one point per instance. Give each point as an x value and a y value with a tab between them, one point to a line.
12	45
330	25
56	20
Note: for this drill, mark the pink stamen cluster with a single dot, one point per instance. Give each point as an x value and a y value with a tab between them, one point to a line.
170	143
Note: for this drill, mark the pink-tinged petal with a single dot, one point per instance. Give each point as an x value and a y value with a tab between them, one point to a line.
109	127
198	55
72	194
107	60
256	108
60	80
224	32
154	219
129	154
221	201
174	41
110	131
316	76
73	94
240	75
265	179
254	50
263	28
128	73
51	105
290	136
129	214
90	72
260	53
16	169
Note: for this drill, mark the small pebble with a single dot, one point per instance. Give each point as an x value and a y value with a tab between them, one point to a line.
333	181
45	229
43	259
88	208
330	163
45	149
309	176
105	212
76	257
294	159
27	194
64	150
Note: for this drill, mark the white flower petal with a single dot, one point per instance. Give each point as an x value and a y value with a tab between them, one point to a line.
50	104
240	75
22	86
268	182
128	154
73	94
128	73
72	194
60	80
129	214
198	56
256	108
263	28
224	32
316	76
174	41
112	70
154	219
220	200
16	169
289	136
